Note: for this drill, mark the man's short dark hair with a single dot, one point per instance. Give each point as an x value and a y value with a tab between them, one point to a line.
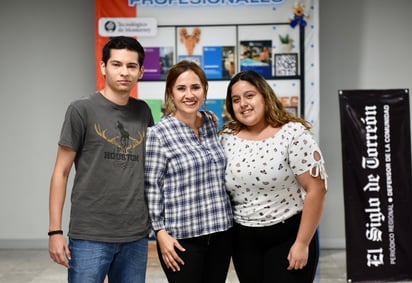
123	42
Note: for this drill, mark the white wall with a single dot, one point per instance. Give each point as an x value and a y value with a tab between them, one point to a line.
363	45
47	60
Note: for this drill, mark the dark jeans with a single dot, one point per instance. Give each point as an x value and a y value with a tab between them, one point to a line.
206	258
260	253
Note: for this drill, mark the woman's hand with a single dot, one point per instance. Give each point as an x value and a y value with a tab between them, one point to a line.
298	256
167	246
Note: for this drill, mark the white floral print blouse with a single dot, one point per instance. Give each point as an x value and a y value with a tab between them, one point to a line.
260	174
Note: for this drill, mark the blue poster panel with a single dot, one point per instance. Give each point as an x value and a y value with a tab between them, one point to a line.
217	106
218	62
212	61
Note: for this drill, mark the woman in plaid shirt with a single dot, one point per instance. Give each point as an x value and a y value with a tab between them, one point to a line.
184	181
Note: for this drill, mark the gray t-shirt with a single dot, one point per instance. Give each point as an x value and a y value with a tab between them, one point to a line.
107	200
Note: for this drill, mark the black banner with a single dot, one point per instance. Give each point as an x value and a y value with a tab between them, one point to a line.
377	183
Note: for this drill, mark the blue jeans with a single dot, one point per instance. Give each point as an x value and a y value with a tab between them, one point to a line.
123	262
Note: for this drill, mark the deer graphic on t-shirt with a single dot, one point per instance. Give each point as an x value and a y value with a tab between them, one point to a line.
124	142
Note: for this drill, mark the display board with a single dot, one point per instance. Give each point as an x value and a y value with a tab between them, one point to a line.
277	38
224	50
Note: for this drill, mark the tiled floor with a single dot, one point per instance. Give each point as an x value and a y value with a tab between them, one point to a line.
35	266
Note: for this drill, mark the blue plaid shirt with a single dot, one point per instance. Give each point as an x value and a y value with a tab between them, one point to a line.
184	179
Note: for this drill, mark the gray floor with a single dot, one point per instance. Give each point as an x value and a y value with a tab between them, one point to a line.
35	266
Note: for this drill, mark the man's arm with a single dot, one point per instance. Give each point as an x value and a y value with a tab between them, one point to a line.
58	248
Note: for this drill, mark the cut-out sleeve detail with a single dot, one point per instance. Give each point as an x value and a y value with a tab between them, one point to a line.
318	169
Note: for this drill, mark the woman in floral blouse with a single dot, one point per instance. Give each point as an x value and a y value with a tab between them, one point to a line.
276	179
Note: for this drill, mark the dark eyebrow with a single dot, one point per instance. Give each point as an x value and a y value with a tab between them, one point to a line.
128	64
133	64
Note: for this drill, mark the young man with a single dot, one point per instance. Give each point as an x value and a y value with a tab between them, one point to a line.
104	136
